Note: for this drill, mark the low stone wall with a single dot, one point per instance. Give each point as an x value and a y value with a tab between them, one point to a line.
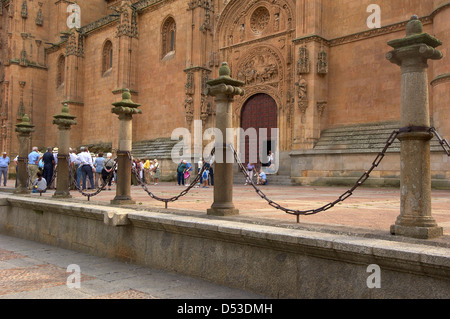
344	168
277	262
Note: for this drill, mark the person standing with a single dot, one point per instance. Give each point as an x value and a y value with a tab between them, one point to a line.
180	172
55	167
107	174
49	163
33	161
87	167
187	173
156	170
199	169
4	163
147	171
98	164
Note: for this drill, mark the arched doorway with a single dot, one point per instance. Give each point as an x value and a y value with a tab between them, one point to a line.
259	112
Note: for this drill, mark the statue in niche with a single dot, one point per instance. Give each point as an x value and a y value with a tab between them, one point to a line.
303	64
322	63
276	22
302	89
242	32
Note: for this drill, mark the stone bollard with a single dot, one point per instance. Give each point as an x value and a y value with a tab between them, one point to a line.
125	109
24	130
411	54
224	88
64	121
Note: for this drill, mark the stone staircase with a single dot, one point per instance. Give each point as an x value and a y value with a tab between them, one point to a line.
362	138
160	149
272	179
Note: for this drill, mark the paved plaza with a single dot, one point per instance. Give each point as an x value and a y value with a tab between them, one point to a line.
34	270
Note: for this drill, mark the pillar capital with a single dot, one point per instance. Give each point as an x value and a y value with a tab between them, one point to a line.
64	120
24	128
126	106
414	49
224	84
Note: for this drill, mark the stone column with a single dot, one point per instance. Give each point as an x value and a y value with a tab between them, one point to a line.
224	88
125	109
24	130
411	54
64	121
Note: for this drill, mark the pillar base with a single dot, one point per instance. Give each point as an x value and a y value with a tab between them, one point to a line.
62	194
222	211
417	232
22	190
122	201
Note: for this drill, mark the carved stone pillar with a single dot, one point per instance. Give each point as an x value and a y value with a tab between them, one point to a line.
125	109
411	54
224	88
24	130
64	121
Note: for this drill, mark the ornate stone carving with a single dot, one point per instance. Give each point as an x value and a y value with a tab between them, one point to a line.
190	85
21	109
259	20
189	109
322	62
302	94
128	21
39	19
75	44
234	15
23	61
321	105
11	9
24	11
303	64
261	67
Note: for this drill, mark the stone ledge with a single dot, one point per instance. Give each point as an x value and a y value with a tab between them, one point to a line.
402	256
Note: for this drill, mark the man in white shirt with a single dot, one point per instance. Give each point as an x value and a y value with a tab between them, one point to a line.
87	167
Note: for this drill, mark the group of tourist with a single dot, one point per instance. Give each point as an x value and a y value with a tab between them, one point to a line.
41	168
148	171
90	171
86	171
185	171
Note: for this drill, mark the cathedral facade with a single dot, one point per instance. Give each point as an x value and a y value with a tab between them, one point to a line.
315	71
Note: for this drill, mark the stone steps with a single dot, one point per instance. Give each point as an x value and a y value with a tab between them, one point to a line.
364	138
159	149
279	180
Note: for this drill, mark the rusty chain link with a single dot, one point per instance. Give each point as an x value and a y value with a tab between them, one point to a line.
330	205
444	143
174	198
99	189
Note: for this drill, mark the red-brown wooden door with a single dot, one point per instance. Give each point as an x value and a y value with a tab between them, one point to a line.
259	112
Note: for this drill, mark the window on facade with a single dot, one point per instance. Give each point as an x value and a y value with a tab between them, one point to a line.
168	37
107	59
61	70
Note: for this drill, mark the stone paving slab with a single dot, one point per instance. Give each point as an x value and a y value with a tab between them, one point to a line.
101	278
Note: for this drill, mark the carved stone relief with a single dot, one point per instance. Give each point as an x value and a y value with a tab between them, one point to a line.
39	19
321	105
302	94
259	20
261	67
322	62
303	64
